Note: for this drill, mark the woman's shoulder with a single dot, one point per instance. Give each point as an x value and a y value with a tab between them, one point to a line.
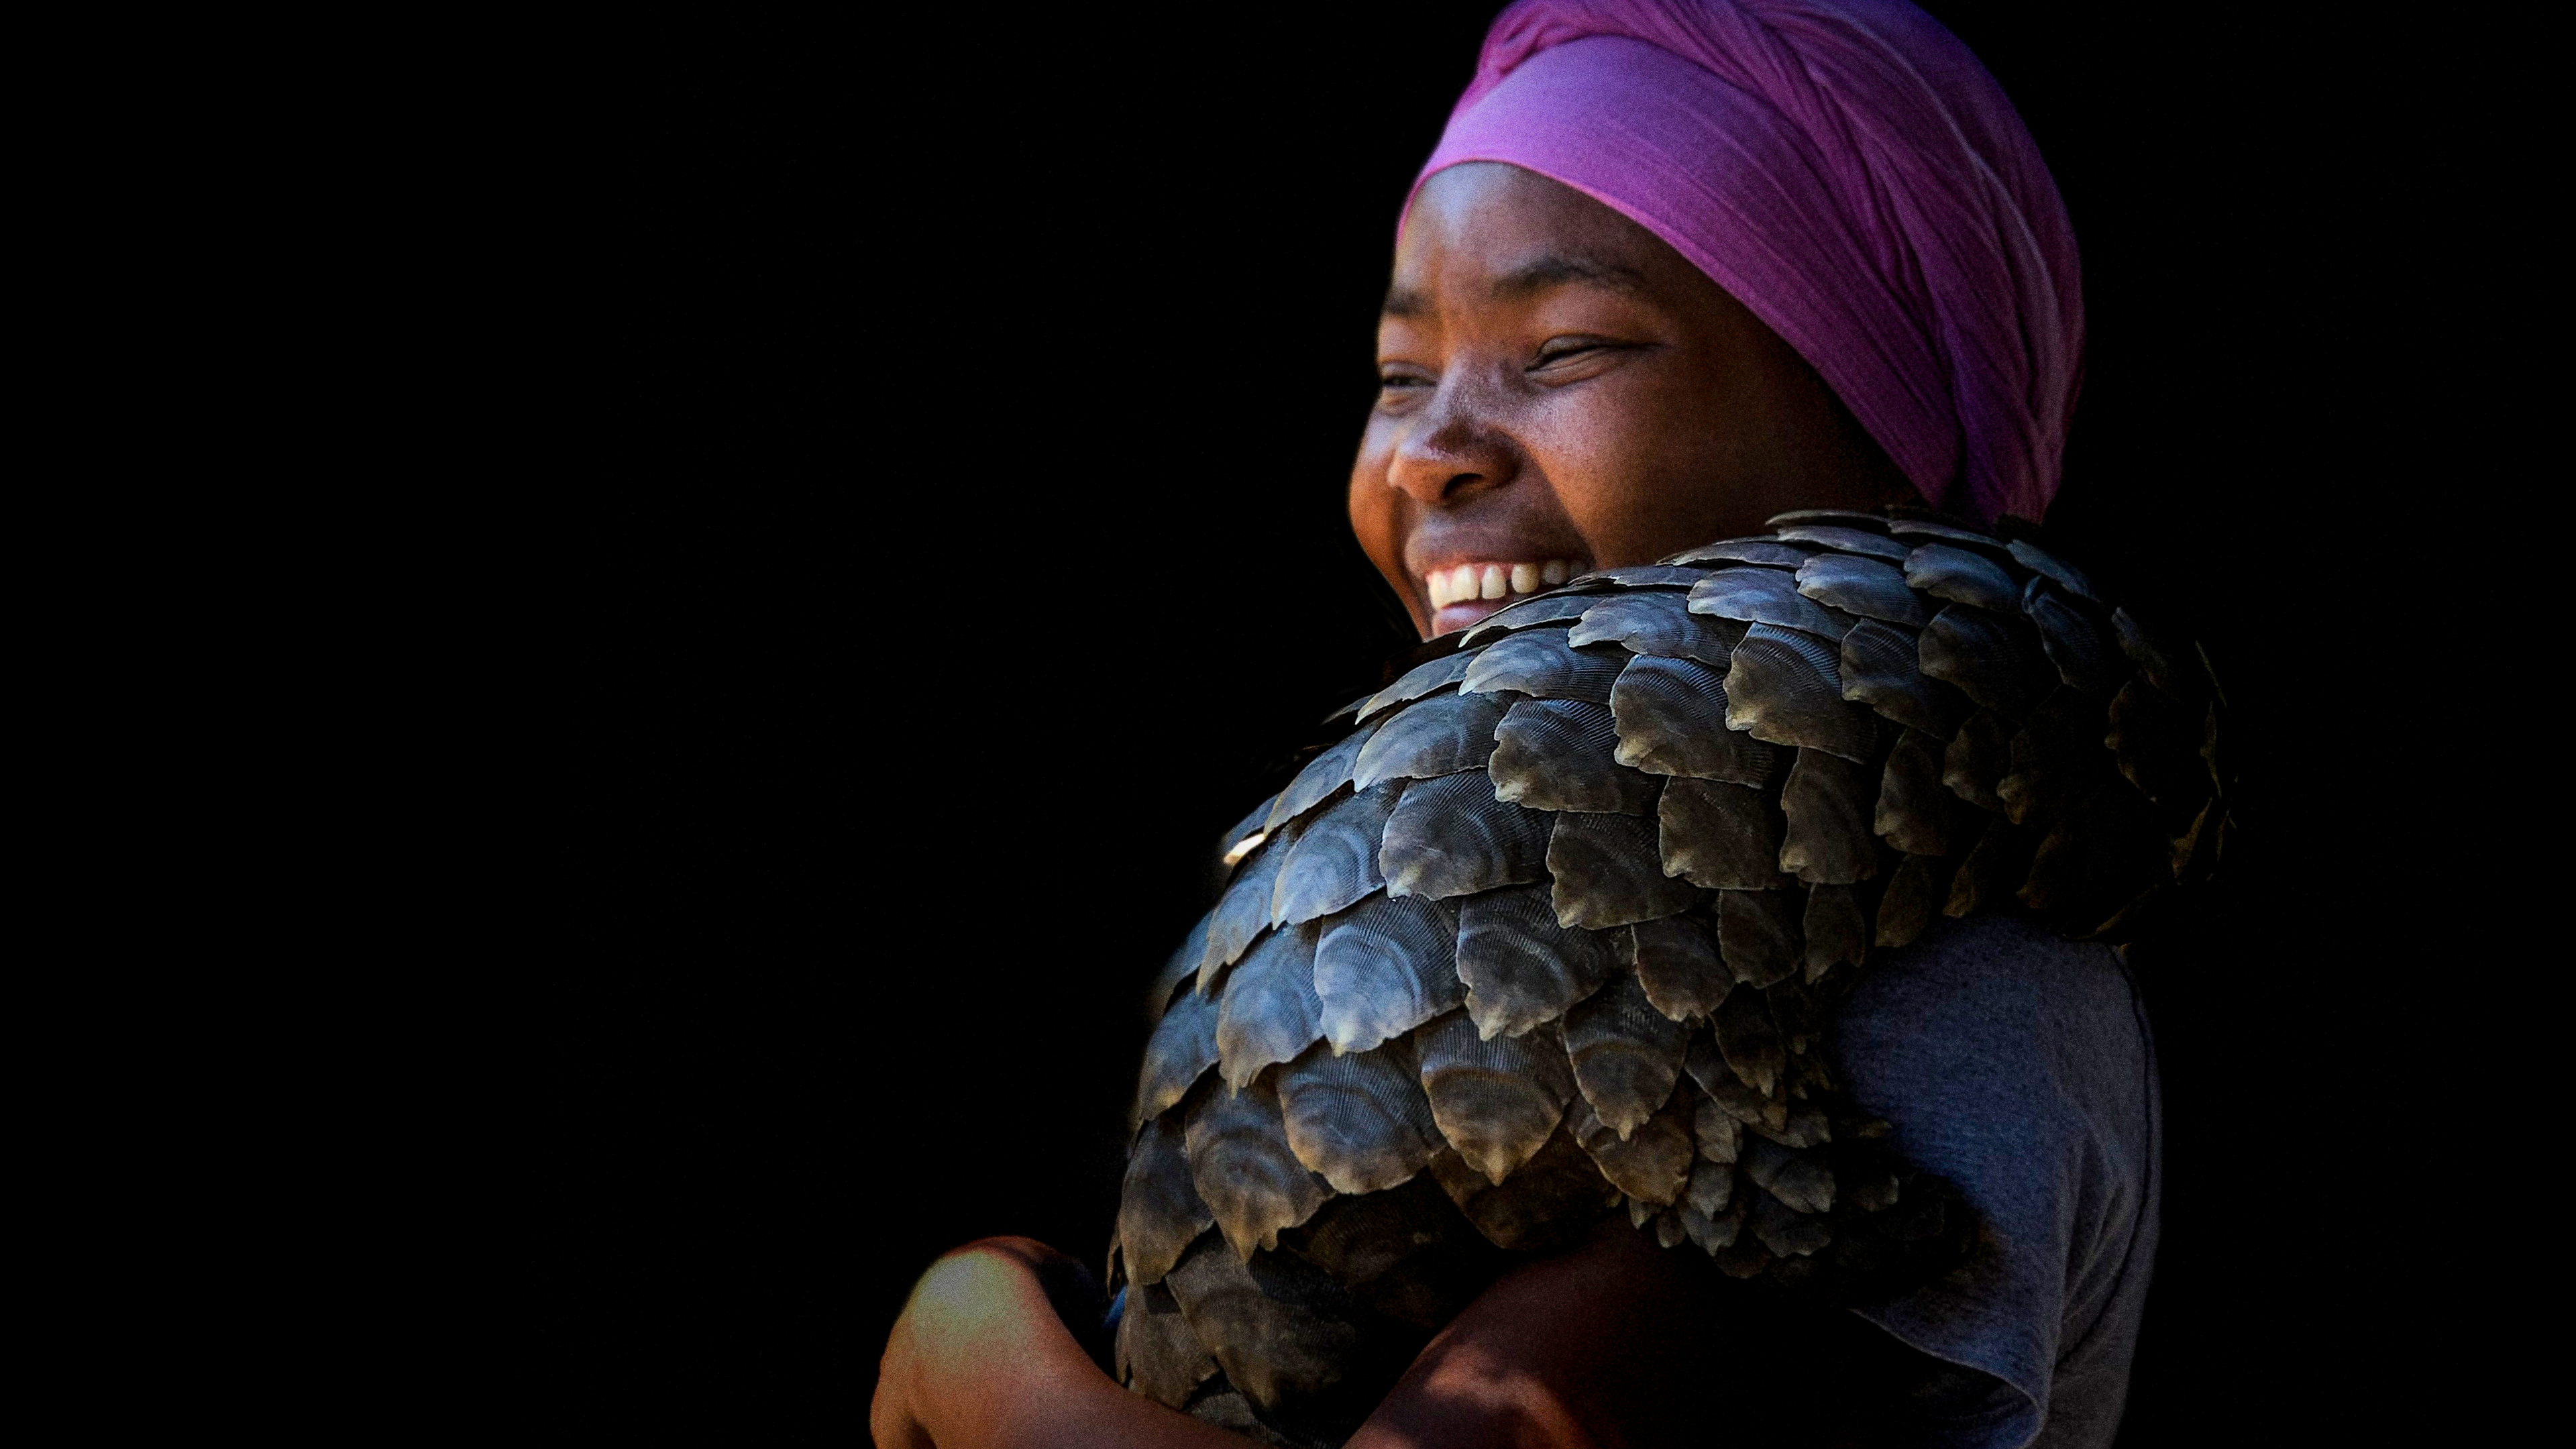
1978	966
1999	1018
2018	1065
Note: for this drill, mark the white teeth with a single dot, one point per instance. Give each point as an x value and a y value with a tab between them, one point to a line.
1494	580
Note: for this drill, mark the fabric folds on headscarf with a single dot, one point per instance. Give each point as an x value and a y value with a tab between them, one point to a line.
1849	172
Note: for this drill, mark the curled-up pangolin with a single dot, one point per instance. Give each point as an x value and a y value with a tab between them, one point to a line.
1557	932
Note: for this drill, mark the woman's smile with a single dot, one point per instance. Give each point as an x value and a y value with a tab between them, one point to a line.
1463	593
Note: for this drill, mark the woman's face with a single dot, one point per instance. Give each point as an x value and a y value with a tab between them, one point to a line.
1561	391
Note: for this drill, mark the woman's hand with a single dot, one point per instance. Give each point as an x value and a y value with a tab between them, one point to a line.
980	1360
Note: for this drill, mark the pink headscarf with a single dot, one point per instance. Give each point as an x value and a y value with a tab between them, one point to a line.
1849	172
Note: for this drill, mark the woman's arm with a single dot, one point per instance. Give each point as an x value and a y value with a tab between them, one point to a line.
979	1360
1593	1347
1622	1342
1616	1342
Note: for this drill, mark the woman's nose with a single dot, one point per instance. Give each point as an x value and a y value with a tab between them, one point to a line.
1452	451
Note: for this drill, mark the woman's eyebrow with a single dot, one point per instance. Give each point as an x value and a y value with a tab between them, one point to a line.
1558	268
1530	278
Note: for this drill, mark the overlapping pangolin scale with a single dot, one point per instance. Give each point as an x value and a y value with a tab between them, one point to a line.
1631	841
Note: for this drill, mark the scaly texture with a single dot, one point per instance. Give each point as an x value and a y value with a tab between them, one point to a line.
1560	924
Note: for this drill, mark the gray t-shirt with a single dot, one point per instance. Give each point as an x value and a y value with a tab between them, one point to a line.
2020	1067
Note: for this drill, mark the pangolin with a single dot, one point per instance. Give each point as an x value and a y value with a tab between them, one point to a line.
1556	926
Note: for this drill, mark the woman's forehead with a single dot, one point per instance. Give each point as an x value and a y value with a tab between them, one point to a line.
1485	231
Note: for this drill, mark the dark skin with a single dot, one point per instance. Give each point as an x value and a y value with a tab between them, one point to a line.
1558	385
1556	382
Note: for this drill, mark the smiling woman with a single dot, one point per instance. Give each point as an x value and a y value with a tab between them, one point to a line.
926	452
1685	1005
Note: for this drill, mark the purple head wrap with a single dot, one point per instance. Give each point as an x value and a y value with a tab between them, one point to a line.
1849	172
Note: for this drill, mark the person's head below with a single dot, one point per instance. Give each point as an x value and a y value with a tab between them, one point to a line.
1675	268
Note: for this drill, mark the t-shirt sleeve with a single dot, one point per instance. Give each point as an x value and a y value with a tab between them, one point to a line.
2019	1066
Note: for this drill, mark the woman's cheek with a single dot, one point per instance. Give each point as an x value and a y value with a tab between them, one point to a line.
1582	453
1372	508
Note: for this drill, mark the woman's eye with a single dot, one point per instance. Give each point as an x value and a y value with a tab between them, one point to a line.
1401	379
1555	352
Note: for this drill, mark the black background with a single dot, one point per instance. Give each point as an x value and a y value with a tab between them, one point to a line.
934	538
